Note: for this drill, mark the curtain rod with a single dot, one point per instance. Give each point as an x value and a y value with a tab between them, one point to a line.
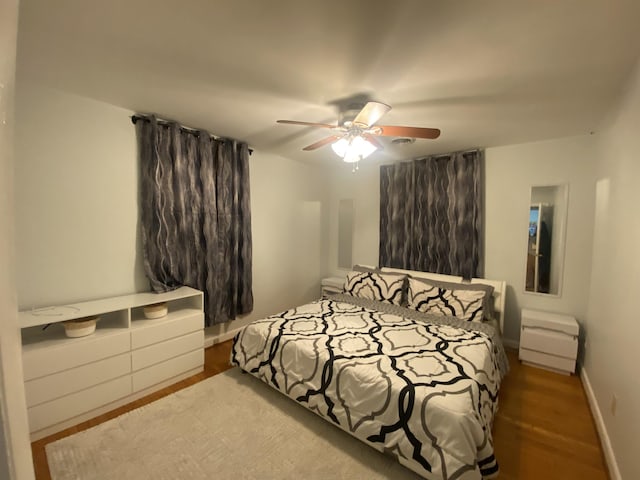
471	150
434	155
166	123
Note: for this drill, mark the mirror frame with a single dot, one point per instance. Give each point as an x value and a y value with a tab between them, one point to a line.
562	240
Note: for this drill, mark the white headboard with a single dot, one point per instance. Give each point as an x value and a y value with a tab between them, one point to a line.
499	287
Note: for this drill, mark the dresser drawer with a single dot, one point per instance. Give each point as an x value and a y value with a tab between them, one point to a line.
159	352
155	331
549	341
551	361
77	351
48	388
64	408
164	371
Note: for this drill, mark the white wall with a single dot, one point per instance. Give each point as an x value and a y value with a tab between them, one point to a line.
15	451
77	213
76	199
363	186
510	173
613	326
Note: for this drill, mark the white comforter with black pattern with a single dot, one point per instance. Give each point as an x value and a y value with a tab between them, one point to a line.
421	388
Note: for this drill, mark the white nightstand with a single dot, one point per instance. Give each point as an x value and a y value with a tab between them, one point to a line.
331	285
549	340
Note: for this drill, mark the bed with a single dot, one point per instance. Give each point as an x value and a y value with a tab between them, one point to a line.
408	362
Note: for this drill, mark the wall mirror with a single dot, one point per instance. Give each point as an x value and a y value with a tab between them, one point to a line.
345	233
545	239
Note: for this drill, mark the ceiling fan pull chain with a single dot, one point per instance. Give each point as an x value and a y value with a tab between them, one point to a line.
355	164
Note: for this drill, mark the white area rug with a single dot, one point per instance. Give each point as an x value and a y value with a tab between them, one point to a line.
230	426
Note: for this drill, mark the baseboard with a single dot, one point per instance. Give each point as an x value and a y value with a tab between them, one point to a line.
609	456
211	340
510	343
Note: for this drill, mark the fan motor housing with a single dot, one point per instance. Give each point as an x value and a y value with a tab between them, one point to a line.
346	116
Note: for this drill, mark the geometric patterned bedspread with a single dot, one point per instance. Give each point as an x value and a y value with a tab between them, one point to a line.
423	389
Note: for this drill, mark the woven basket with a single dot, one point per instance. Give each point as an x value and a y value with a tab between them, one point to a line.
80	327
156	310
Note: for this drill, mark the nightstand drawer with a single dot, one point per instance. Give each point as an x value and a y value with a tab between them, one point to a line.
332	285
562	364
549	341
550	321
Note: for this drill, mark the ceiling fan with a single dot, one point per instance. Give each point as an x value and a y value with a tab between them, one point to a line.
355	139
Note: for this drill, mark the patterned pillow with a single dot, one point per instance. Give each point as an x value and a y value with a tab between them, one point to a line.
462	303
488	303
387	288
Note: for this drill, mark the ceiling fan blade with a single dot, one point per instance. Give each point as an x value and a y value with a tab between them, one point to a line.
373	140
308	124
371	113
411	132
322	143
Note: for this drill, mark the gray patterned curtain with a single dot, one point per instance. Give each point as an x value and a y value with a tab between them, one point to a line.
195	215
431	213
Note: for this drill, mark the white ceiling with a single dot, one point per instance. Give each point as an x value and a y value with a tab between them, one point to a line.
486	73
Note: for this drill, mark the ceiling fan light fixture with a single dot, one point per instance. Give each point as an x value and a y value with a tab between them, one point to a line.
355	136
353	149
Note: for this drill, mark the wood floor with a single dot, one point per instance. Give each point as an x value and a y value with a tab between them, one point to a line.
543	430
544	427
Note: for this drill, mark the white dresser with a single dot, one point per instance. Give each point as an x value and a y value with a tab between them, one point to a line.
331	285
549	340
70	380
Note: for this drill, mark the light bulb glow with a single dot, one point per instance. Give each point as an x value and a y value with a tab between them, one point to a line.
353	149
